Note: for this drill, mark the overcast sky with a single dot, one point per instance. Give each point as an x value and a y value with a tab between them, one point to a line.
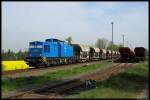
85	22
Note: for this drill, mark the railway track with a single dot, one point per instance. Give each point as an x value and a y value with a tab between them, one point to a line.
57	90
14	72
100	74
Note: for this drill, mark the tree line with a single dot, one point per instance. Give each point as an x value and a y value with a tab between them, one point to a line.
11	55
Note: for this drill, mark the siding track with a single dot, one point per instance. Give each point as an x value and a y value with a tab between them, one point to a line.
57	90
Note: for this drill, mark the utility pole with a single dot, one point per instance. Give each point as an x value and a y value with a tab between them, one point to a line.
112	42
123	39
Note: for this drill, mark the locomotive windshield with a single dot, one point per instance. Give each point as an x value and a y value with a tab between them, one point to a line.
35	46
35	50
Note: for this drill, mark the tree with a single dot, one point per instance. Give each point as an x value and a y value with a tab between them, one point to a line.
109	45
69	39
120	45
115	47
101	43
10	55
21	54
3	55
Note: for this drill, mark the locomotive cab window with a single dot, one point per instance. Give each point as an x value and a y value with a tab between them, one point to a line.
46	48
35	46
31	46
39	46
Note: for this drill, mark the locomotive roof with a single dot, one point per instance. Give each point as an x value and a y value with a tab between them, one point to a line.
54	40
35	42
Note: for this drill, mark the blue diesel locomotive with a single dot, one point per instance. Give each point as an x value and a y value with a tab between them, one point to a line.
50	52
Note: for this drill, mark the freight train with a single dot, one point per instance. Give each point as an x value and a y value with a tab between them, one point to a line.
129	55
56	52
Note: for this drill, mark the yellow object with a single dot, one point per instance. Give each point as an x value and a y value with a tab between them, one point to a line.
13	65
44	59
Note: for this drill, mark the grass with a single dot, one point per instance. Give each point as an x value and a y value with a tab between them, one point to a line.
14	84
124	85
